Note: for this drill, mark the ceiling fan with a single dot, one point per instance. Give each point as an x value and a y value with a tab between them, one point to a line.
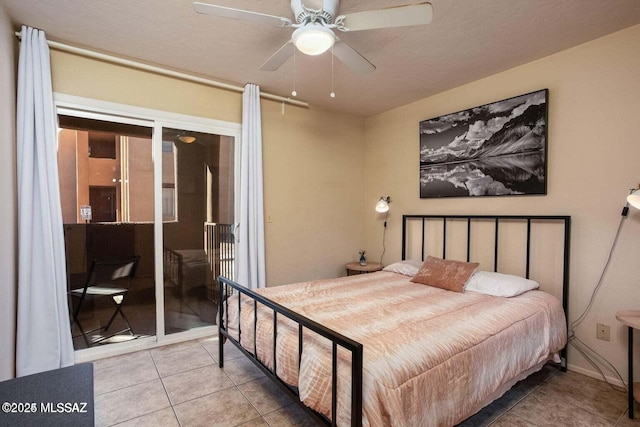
314	33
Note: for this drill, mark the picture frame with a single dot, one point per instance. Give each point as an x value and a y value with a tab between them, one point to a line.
496	149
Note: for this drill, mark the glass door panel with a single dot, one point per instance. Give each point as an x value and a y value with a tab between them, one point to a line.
198	216
107	197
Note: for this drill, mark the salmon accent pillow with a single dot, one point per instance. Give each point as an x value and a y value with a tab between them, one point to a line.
445	274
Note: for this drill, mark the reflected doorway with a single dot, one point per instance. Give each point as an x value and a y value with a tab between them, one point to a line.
103	203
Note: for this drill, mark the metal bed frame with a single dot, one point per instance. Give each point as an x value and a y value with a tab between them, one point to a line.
336	338
230	289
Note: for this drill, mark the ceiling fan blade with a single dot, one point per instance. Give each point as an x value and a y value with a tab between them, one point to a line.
244	15
400	16
352	58
278	58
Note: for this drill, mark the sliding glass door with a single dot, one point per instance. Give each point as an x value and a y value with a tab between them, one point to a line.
156	190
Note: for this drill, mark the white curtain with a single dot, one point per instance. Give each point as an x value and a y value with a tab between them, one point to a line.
43	340
250	231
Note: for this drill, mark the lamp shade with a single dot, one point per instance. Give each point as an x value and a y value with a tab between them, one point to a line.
382	206
634	199
313	39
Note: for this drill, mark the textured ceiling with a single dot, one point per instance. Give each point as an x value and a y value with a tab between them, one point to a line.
467	40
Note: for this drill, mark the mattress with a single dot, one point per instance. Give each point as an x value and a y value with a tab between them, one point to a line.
431	357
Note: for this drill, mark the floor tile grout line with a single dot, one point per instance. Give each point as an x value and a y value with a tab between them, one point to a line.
233	385
527	394
529	423
145	414
142	416
164	387
185	371
544	392
620	418
510	408
215	362
590	410
154	359
114	365
204	395
237	386
248	400
599	414
125	387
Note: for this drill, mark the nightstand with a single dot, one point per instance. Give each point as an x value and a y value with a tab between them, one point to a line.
356	268
630	318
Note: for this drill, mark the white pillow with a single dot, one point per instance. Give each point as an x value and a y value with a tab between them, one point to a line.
408	267
498	284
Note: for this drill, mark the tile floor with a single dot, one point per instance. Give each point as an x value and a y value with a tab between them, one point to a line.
181	385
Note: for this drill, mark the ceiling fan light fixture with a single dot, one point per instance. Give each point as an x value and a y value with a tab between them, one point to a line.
187	139
313	39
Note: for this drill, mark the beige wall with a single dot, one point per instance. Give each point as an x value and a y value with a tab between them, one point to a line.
313	192
323	171
312	162
594	147
9	206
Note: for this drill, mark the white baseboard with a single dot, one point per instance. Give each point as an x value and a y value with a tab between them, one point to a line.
611	380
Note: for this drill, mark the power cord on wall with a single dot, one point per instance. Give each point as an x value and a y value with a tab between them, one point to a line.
587	352
384	232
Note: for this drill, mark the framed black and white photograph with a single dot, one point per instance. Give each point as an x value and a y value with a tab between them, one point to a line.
496	149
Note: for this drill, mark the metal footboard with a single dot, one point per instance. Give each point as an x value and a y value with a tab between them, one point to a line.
231	289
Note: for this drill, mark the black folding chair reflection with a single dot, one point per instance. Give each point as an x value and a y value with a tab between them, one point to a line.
110	279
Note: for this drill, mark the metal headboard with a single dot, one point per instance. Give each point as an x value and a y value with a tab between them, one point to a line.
498	220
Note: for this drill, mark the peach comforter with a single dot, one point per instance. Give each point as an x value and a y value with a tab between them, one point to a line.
431	357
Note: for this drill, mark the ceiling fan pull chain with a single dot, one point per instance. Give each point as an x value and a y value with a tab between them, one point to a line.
332	94
293	92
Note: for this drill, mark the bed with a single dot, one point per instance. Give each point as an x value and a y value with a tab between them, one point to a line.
188	269
380	349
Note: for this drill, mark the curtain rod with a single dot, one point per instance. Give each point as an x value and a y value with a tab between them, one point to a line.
162	71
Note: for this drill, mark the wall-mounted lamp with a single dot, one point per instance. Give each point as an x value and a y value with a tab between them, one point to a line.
633	199
383	204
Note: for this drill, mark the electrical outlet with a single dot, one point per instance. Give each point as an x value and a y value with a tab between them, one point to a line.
603	332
